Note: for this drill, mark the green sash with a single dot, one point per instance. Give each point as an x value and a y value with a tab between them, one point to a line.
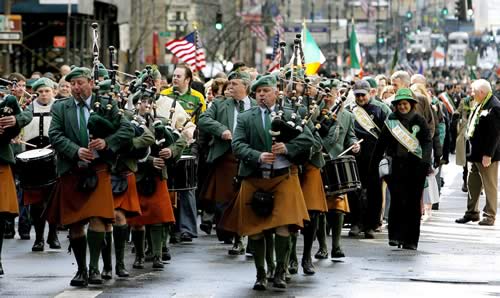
404	137
366	121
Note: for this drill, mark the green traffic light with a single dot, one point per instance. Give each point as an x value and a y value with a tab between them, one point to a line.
219	26
444	11
409	15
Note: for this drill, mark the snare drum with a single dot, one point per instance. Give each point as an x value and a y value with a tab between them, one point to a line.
36	168
182	175
340	176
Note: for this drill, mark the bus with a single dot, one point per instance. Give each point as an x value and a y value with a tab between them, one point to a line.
458	43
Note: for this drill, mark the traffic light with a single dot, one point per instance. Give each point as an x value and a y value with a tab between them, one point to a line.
409	15
406	29
460	10
419	29
444	12
219	25
381	39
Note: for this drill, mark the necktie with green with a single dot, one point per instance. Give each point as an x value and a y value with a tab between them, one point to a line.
267	128
84	136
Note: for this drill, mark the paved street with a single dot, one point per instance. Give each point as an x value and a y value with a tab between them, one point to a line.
452	261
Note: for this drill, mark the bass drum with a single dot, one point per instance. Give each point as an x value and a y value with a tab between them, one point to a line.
36	168
341	176
182	175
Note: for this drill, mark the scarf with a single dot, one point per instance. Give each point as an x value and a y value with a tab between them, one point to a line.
474	118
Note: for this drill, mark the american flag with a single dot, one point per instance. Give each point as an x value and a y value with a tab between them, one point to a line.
259	31
369	10
189	50
276	56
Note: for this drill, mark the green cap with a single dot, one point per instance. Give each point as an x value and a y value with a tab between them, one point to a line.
103	72
264	81
30	82
372	82
403	94
242	75
43	82
79	72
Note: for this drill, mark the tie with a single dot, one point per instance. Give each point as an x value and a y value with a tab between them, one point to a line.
84	137
240	105
267	127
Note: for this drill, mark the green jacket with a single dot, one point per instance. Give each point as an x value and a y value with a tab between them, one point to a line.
341	134
6	153
217	119
249	141
64	134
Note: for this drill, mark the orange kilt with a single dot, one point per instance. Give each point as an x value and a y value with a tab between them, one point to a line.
69	206
129	200
338	202
8	194
220	186
156	209
289	205
312	188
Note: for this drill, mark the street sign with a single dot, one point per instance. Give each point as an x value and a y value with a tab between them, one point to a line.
177	23
11	29
165	34
311	29
11	37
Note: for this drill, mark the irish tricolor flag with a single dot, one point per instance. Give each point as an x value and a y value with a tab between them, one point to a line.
313	57
355	53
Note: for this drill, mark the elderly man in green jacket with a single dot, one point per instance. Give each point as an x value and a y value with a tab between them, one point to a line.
83	193
219	121
8	195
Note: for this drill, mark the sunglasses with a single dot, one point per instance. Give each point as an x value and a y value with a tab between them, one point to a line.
359	95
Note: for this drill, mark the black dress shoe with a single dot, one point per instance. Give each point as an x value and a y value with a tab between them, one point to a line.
410	246
165	254
370	234
38	246
261	281
1	268
308	267
465	188
24	236
279	280
206	227
53	242
138	263
393	242
237	249
81	278
270	274
185	237
107	274
466	219
321	254
157	263
9	235
121	271
337	253
95	277
293	266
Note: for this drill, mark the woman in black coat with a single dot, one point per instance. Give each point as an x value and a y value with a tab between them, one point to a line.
405	139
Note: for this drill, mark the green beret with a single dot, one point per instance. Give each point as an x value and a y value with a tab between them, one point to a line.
264	81
242	75
330	83
403	94
43	82
79	72
105	86
103	72
30	82
371	81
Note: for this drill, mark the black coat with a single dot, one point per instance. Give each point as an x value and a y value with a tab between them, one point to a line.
486	138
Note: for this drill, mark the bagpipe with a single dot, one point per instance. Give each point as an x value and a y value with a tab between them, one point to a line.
328	117
9	107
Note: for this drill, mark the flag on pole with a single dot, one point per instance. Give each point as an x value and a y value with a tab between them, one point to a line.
472	74
445	98
189	50
276	56
355	53
313	57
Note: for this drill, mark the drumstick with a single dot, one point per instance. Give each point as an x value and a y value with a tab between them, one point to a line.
47	147
27	144
349	149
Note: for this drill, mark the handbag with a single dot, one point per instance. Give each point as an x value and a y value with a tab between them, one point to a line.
87	180
385	167
119	184
262	203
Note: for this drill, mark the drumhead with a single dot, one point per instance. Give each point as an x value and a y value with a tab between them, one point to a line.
184	157
35	153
